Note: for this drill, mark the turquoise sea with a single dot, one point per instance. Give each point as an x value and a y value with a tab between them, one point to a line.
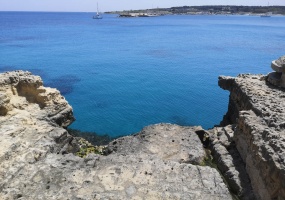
121	74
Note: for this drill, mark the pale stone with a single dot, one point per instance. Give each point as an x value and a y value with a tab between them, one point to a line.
37	160
258	110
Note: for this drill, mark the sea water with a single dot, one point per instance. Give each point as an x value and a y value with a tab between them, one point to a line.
121	74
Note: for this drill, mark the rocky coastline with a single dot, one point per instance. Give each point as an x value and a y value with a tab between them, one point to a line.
242	158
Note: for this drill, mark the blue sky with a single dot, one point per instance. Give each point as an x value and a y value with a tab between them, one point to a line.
111	5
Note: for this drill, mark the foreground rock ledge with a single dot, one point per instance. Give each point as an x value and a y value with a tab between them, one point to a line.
37	158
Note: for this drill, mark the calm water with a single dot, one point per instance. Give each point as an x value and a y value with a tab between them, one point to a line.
121	74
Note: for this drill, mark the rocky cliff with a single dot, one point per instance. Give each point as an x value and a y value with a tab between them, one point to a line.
257	108
39	159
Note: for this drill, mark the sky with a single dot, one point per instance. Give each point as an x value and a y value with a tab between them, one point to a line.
119	5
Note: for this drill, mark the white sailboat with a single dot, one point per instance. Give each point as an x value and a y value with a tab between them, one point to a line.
98	15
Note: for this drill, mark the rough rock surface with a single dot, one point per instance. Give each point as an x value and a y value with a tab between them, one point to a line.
277	77
229	161
257	108
37	158
163	141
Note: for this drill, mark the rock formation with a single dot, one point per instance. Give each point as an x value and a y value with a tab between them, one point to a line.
257	109
39	159
277	78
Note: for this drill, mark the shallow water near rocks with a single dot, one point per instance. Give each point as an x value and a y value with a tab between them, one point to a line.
121	74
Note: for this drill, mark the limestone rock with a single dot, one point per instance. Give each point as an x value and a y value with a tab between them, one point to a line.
18	89
38	161
279	64
229	161
258	108
164	141
277	78
38	156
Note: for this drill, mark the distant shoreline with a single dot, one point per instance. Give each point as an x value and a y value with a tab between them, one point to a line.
198	14
207	10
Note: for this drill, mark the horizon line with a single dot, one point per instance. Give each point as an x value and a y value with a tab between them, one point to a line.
133	9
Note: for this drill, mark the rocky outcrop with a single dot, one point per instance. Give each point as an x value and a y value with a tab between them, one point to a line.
257	109
38	157
20	91
277	77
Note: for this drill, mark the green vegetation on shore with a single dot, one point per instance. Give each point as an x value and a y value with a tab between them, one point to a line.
91	137
89	142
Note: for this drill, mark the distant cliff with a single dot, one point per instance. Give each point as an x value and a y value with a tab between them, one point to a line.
242	158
